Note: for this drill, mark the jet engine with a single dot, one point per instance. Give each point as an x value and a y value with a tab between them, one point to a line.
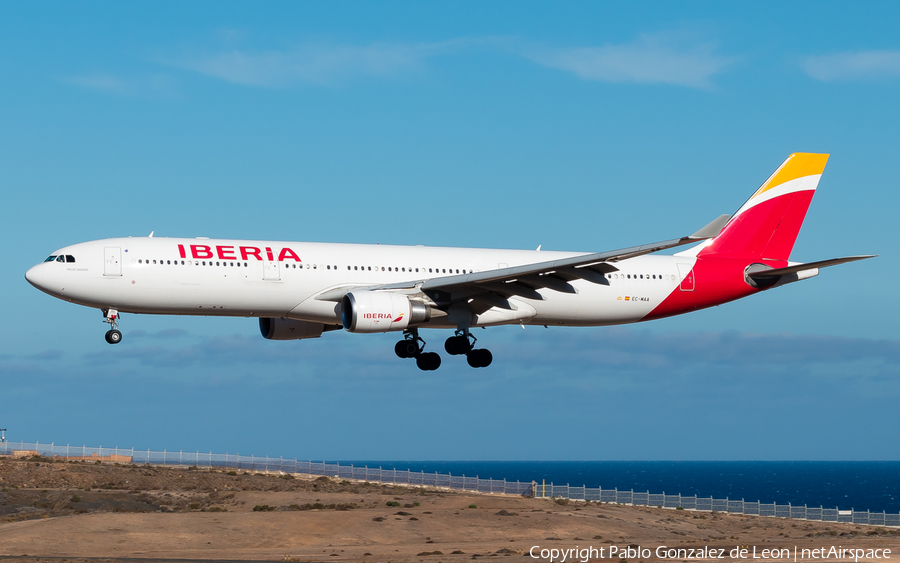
381	311
290	329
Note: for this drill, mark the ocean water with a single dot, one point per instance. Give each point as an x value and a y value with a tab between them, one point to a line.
860	485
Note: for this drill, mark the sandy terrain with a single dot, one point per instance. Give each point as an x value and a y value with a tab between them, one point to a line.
80	510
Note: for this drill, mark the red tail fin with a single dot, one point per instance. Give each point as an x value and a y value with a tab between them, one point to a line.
767	225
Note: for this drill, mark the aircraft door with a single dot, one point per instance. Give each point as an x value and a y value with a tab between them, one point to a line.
271	270
112	261
686	274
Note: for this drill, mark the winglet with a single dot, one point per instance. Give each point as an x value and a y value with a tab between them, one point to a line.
712	229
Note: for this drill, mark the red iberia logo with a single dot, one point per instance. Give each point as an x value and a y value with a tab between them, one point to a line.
399	318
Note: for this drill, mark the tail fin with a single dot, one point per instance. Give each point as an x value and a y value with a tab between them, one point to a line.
767	225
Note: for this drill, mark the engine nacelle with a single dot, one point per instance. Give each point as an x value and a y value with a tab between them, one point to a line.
381	311
289	329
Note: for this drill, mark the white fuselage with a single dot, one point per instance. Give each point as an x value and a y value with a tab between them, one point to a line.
282	279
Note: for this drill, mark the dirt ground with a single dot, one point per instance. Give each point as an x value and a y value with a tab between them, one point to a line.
74	511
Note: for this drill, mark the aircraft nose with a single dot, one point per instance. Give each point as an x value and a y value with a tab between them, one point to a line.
34	275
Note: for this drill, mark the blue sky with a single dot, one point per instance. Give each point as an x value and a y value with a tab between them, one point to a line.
583	126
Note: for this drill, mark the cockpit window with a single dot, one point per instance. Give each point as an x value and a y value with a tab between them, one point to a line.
50	258
70	259
60	258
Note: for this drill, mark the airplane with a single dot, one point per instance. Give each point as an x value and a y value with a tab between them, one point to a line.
301	290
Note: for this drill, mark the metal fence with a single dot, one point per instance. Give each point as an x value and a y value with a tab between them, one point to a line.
448	481
273	464
710	504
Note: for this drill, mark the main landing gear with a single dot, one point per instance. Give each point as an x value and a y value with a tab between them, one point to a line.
460	344
412	346
463	343
113	336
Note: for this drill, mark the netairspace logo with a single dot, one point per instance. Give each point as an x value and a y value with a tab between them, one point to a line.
585	554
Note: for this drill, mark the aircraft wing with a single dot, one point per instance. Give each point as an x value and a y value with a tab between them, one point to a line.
493	286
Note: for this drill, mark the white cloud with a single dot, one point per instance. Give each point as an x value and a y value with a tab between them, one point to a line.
151	85
652	59
317	64
99	81
670	58
858	65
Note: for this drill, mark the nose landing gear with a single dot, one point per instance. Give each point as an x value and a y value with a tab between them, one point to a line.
113	336
412	346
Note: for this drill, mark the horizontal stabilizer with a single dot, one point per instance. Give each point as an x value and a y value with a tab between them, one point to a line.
777	272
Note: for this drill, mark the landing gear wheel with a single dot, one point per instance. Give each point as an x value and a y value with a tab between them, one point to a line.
406	349
111	317
429	361
479	358
457	345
